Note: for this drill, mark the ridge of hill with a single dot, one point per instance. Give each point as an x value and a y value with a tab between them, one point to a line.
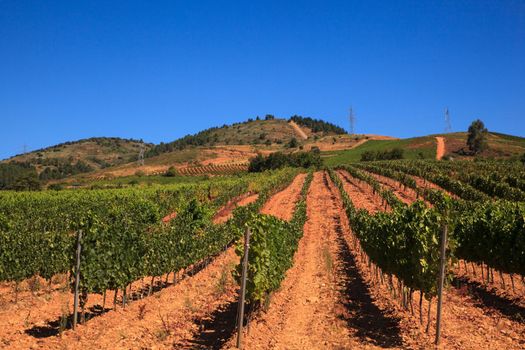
81	156
259	131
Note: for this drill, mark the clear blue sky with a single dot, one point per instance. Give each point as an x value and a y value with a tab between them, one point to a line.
158	70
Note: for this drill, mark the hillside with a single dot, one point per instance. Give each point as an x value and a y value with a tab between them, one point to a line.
499	146
70	158
266	131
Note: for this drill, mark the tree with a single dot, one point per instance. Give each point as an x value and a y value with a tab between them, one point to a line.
293	143
523	158
476	140
172	172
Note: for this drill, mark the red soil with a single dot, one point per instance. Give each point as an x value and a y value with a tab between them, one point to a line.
406	195
163	320
226	212
361	193
305	312
440	147
471	320
282	204
423	183
169	217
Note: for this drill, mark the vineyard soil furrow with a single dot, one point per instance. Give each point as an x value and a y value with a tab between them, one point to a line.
358	191
422	183
226	211
467	323
406	195
162	319
304	313
282	204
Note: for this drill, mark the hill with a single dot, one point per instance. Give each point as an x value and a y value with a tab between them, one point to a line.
260	131
499	146
70	158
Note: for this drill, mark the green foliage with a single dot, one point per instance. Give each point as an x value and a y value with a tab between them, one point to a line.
279	160
404	242
395	153
493	233
293	143
317	125
18	176
123	239
273	243
477	134
171	172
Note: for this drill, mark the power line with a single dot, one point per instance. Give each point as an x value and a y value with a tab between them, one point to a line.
352	121
448	125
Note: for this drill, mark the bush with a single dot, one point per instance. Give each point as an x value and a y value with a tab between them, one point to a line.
279	160
55	187
293	143
171	172
395	153
140	173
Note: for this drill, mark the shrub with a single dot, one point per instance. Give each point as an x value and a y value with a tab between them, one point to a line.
395	153
279	160
171	172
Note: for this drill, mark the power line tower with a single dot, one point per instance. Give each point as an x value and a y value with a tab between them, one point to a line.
352	121
24	147
448	125
141	155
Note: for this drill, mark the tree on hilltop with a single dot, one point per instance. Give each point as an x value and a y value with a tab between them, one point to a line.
477	134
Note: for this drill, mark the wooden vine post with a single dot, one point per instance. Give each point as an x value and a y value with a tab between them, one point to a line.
240	315
77	279
441	281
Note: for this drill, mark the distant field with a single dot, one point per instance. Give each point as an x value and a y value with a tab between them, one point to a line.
414	148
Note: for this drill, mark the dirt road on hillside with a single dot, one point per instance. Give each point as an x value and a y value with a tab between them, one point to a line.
298	130
440	151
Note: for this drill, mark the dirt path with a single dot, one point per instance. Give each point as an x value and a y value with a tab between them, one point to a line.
304	312
406	195
226	212
282	204
298	130
422	183
440	150
360	193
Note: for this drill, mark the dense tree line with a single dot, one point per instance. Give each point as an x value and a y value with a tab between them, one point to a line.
317	125
395	153
64	169
18	176
279	160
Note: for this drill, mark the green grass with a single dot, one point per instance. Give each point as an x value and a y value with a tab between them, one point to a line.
413	149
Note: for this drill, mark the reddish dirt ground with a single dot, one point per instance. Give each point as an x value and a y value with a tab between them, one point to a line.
173	317
440	147
422	183
298	130
360	192
303	314
406	195
282	204
226	212
471	318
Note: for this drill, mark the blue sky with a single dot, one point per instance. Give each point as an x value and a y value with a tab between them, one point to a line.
158	70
